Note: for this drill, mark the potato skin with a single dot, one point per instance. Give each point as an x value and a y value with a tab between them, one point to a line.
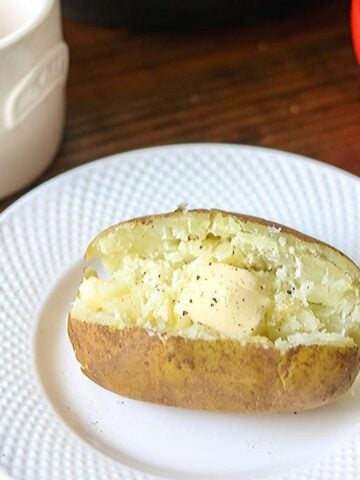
215	375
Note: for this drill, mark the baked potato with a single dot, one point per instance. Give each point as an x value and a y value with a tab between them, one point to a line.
218	311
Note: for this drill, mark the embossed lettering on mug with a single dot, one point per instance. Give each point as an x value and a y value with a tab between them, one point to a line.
37	84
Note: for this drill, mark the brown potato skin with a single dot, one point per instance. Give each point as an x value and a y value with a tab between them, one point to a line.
215	375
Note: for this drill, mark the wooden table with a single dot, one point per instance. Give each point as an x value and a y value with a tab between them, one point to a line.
290	83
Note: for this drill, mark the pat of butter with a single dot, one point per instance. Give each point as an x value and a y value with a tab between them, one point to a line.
225	298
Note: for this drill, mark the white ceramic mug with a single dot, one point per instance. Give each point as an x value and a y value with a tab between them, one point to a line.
33	70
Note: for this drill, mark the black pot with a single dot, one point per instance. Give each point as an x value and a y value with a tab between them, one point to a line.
173	13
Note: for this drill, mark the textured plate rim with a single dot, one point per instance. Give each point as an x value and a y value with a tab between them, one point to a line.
175	146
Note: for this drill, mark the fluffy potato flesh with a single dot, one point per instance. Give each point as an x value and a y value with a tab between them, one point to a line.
210	275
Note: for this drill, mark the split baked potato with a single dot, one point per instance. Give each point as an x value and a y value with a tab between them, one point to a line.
218	311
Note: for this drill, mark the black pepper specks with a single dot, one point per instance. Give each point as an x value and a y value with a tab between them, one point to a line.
197	277
184	313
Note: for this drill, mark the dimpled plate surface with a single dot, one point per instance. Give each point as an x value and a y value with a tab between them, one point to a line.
55	423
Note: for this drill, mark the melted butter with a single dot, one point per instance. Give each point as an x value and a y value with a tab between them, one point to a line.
227	299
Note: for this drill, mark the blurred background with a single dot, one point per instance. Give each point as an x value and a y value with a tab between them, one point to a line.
278	73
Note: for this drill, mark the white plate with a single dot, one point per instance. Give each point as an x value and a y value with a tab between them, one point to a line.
57	424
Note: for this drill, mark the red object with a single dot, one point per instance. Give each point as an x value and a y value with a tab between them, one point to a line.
355	26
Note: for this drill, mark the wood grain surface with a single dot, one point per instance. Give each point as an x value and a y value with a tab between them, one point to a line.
286	81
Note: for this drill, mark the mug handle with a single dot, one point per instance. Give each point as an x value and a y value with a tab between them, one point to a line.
355	27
